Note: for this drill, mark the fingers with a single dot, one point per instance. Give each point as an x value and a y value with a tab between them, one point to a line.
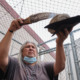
62	35
66	32
20	21
15	25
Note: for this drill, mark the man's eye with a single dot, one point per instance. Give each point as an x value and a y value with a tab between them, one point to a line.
33	47
27	46
30	46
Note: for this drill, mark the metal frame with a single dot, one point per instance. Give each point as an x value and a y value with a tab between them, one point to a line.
53	49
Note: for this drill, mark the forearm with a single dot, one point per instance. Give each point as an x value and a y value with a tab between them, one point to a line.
60	58
6	41
60	55
5	45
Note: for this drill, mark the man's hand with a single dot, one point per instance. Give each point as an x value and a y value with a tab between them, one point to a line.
15	25
62	36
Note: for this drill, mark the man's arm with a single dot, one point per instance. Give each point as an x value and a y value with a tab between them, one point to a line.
6	41
4	49
59	64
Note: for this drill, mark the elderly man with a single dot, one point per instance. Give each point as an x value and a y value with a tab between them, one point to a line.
27	68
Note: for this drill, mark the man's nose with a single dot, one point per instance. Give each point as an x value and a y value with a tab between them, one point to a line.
31	48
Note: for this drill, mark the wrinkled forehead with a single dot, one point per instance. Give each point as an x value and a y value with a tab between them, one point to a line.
30	43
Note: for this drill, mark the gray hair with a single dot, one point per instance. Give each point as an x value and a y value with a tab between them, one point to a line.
21	49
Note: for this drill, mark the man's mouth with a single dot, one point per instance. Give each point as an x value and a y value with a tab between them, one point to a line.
31	51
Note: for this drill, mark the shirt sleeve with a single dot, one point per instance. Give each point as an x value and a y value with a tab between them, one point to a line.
3	75
10	69
50	71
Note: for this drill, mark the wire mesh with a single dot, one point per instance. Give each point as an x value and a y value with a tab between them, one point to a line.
78	50
25	8
30	7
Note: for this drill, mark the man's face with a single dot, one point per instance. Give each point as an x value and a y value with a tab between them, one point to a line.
29	50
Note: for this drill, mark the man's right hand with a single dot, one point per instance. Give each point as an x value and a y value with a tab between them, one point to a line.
15	25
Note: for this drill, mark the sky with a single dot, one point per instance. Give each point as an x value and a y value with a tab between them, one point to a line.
25	8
